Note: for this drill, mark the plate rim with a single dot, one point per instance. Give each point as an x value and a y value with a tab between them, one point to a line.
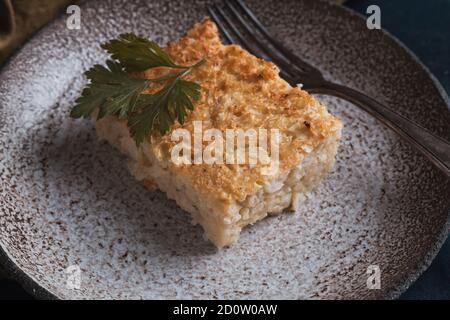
38	291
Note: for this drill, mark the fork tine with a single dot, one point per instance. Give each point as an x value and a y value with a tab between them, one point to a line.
219	23
292	57
273	55
222	21
239	35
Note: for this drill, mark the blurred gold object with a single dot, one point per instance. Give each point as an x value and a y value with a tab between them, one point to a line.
7	24
19	19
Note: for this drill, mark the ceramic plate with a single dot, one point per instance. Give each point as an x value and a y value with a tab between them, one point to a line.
67	199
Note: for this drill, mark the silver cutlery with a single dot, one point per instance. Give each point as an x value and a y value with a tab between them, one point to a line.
239	25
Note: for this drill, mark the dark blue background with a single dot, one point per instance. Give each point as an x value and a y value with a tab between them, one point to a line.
424	26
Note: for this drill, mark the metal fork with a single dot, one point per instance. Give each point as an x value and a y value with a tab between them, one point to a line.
239	25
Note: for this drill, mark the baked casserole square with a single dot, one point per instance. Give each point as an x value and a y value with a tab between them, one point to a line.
238	91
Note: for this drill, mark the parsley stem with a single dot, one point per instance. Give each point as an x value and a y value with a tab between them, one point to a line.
186	71
114	91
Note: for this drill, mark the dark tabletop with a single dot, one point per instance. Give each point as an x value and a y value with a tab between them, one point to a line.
424	26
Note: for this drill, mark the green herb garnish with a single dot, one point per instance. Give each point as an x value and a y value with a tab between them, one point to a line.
113	91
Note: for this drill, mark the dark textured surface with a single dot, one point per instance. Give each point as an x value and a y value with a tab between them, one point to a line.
424	26
395	269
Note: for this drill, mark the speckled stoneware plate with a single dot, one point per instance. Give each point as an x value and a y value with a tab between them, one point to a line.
68	199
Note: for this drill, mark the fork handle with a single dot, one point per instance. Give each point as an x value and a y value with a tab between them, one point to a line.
436	149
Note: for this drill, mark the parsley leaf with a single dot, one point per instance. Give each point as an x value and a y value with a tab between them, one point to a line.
162	108
138	54
113	91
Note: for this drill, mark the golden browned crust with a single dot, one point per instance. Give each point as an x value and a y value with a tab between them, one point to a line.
241	91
